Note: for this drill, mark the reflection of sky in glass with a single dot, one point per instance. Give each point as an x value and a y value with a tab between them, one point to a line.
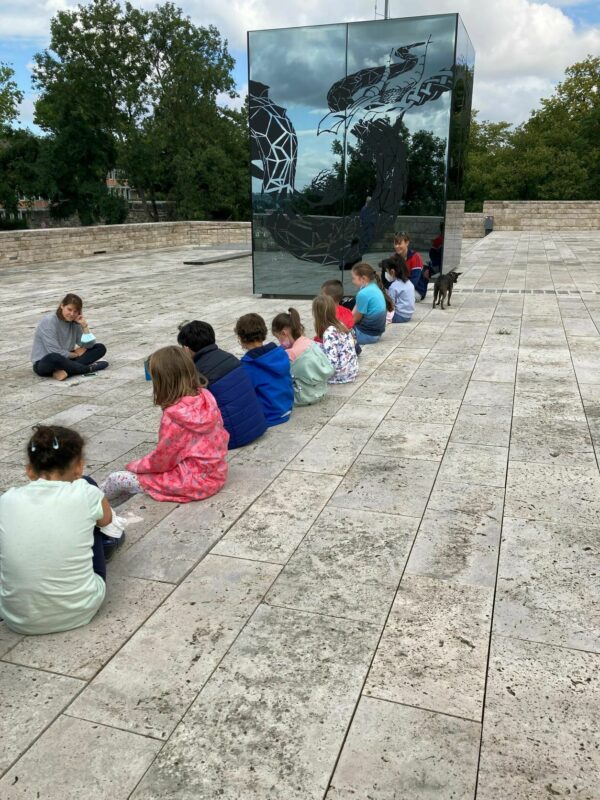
300	65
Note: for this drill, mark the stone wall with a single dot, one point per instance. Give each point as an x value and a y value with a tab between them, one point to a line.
473	226
56	244
546	215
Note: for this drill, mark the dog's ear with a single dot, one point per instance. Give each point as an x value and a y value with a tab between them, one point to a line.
458	273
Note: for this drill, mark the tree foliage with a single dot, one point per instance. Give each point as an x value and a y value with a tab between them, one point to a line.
555	155
134	89
10	96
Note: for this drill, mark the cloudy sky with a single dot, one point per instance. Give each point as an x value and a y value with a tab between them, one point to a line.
522	46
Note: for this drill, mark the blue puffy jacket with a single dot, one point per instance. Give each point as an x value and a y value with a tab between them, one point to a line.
268	367
231	387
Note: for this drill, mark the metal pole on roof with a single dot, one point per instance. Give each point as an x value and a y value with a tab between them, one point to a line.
386	13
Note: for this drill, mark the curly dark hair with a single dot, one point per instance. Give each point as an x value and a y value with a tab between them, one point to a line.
54	448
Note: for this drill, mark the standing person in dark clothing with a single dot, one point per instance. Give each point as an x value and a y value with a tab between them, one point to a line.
228	382
63	344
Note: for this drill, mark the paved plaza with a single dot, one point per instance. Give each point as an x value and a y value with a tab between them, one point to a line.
396	594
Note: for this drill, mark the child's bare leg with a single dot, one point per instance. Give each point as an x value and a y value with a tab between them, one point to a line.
118	483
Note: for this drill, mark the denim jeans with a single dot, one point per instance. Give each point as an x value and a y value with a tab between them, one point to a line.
365	338
398	318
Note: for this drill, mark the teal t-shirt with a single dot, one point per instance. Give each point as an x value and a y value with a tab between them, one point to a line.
47	582
371	303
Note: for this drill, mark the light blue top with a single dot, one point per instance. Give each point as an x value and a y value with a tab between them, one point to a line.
370	302
47	582
403	295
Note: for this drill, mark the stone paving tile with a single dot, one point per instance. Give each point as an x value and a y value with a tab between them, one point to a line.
420	412
487	425
469	463
550	440
497	367
8	638
458	546
398	442
484	393
271	720
272	528
332	451
81	652
175	545
76	759
541	736
551	492
153	679
432	383
434	648
395	751
30	700
112	444
547	584
376	392
347	566
393	486
565	404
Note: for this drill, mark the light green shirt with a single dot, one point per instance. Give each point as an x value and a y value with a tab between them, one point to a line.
47	582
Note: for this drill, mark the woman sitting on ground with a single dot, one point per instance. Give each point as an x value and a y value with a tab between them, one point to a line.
63	344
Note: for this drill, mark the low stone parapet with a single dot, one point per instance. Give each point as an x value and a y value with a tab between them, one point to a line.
543	215
58	244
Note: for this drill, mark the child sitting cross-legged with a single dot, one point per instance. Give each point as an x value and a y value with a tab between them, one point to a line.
228	382
268	368
52	561
400	288
189	461
311	368
337	341
372	304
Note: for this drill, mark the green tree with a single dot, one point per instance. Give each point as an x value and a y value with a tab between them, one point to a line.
554	155
10	96
139	90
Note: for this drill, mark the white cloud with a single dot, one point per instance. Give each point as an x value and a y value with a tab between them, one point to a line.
522	46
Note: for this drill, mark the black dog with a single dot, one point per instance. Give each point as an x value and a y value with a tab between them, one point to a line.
442	286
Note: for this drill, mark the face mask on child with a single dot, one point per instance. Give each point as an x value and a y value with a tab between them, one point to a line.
285	343
389	277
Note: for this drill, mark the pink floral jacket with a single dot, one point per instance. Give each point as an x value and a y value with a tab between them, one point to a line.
188	462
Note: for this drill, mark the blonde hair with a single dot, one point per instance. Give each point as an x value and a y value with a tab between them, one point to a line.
323	309
174	375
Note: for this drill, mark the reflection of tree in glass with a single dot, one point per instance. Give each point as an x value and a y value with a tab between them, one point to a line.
426	172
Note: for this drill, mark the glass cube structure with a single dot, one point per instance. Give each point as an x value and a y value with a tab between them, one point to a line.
358	130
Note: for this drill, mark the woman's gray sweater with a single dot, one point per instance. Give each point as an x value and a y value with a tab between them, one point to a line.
54	335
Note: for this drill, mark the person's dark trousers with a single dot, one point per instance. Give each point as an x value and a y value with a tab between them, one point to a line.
49	364
98	559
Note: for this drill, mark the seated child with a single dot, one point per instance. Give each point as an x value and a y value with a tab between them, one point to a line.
51	551
188	463
400	288
419	275
338	342
335	290
372	303
311	368
228	382
268	368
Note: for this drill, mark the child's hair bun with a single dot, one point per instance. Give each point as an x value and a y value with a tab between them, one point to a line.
53	448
